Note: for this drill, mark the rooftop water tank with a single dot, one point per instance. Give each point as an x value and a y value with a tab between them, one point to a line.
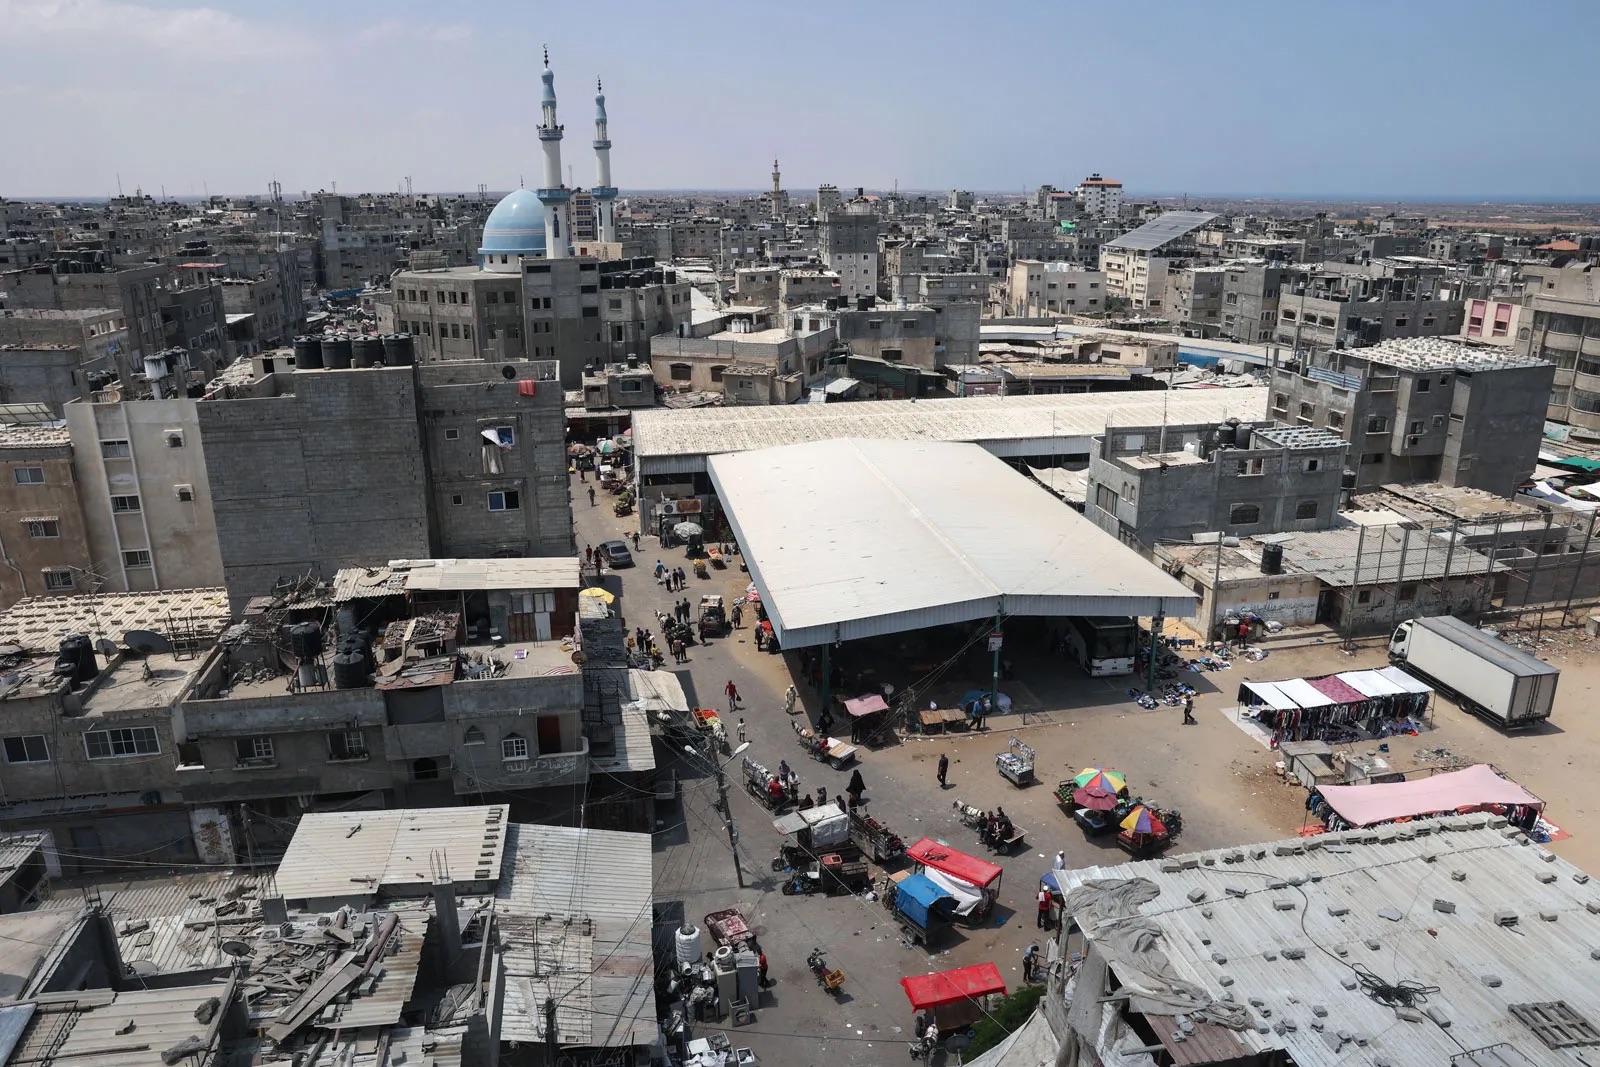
305	640
366	351
399	350
336	352
307	353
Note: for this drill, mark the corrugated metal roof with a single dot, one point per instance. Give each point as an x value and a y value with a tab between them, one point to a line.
16	850
523	572
1159	231
173	924
917	534
353	854
110	1029
353	583
669	442
1366	898
601	876
1387	554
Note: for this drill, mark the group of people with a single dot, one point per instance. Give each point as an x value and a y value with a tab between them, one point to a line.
682	610
673	578
645	642
995	828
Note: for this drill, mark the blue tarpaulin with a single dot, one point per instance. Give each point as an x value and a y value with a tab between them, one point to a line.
916	897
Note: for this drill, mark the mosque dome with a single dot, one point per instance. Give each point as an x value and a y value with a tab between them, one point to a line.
515	228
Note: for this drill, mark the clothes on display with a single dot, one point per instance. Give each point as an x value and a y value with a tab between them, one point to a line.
1380	702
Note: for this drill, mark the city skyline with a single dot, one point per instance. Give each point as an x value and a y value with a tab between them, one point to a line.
1245	99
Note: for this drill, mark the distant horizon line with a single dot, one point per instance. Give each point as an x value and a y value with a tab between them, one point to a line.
1379	198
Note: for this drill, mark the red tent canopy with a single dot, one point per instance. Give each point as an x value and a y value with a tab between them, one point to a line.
867	705
952	987
969	869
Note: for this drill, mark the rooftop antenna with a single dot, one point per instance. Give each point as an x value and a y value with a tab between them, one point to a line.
119	183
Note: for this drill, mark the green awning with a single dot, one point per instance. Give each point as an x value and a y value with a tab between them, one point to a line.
1578	463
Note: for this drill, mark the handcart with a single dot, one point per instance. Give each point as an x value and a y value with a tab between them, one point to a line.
1016	764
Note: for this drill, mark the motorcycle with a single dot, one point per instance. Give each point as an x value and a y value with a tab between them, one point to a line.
924	1047
831	980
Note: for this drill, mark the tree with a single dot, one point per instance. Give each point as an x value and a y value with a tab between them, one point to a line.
999	1024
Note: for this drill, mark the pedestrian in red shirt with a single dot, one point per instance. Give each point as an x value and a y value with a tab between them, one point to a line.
733	694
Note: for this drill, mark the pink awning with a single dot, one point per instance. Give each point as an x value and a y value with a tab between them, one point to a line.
1336	689
1469	788
867	705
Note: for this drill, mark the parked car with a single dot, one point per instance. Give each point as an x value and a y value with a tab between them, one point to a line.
617	554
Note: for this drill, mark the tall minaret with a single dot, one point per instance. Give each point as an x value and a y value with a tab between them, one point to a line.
777	192
554	194
604	193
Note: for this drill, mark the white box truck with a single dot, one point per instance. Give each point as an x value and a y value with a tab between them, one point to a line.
1486	676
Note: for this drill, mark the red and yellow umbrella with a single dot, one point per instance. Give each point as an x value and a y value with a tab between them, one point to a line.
1101	780
1141	820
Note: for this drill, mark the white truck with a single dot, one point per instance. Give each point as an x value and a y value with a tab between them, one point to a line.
1487	676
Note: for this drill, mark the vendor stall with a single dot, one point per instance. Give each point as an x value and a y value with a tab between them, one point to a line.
1338	707
1016	763
1476	788
868	718
955	997
974	883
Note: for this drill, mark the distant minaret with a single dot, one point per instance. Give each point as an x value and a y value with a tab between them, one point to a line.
777	191
604	193
554	195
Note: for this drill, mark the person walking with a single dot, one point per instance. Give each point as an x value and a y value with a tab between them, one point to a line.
588	555
741	729
738	616
733	694
1188	710
944	768
1030	963
1044	908
591	496
790	696
856	787
1061	861
677	650
660	567
635	536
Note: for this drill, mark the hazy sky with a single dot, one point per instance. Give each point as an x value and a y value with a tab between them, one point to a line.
1410	98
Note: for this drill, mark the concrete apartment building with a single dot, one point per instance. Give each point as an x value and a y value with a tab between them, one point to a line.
1036	289
135	292
1423	410
745	356
578	311
849	246
806	285
1495	322
829	199
1359	304
1136	264
100	336
145	493
1234	301
261	299
426	481
43	542
1560	324
1098	197
42	373
1149	484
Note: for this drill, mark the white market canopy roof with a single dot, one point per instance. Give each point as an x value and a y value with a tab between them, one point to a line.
854	538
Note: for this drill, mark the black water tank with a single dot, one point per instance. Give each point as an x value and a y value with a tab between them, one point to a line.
862	303
336	353
1241	437
366	351
1226	435
307	353
349	671
305	640
1271	559
399	350
75	658
1347	480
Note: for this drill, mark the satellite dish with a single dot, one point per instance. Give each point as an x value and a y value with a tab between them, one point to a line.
146	641
236	948
106	647
143	967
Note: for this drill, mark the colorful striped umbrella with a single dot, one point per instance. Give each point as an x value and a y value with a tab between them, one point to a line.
1141	820
1101	780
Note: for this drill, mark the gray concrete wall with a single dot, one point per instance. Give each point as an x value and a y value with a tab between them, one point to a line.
48	376
330	476
1497	423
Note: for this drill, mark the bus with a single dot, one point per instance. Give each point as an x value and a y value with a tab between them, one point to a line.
1103	645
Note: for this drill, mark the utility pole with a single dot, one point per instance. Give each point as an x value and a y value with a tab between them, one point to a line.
1583	555
722	803
997	639
551	1050
1156	622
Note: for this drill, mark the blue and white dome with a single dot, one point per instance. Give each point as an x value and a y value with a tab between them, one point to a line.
515	228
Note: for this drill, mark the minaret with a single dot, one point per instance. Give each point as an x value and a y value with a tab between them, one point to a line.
554	194
777	192
604	193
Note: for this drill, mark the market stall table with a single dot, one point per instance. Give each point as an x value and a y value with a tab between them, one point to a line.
955	997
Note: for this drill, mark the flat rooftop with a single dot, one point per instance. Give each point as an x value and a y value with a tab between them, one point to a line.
1436	353
918	534
1298	437
23	437
1292	928
678	441
140	683
37	624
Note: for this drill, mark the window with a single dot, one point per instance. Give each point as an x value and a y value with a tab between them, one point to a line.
505	435
1244	514
473	736
440	296
1311	465
452	435
505	500
27	748
1400	323
347	744
254	749
174	438
425	769
1335	420
591	313
1378	424
1364	597
137	557
424	296
124	503
115	450
1306	509
1424	384
716	372
58	579
44	527
125	741
1272	595
184	492
466	332
1308	411
630	386
613	304
492	297
1250	467
680	372
1280	401
513	747
28	475
1408	590
1416	426
1371	459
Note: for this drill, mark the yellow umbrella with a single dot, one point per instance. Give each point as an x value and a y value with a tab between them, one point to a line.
594	592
